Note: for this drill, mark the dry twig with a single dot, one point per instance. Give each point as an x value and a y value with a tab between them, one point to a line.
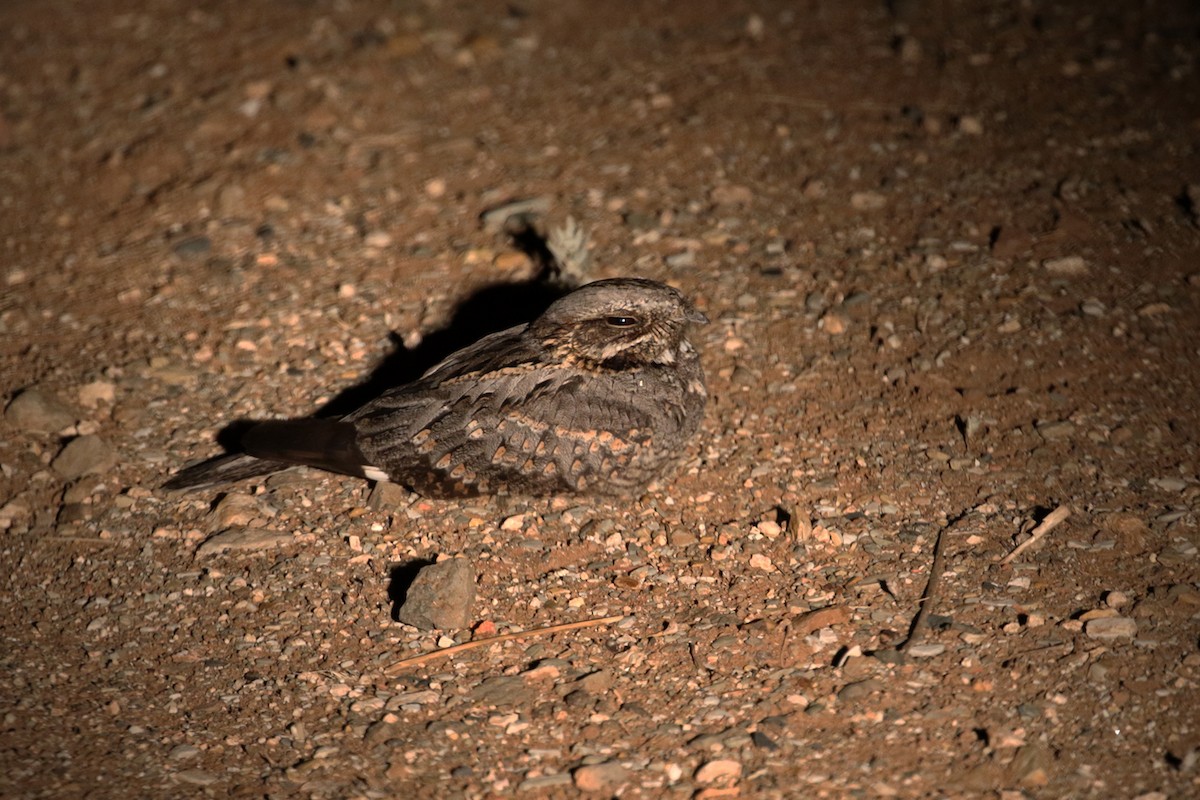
413	661
927	598
1052	520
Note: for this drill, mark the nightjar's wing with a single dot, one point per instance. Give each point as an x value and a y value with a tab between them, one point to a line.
504	349
544	430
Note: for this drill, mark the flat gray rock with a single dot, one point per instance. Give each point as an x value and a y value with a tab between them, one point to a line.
441	596
84	455
42	412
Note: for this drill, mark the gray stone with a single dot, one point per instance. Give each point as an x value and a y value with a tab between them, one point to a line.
504	690
387	496
35	410
192	247
246	539
84	455
607	777
1109	628
440	596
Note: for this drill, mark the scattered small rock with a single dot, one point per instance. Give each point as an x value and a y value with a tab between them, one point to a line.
926	650
505	690
867	201
1110	628
1067	266
721	770
763	741
607	777
1055	431
860	689
763	562
1155	309
97	392
237	510
12	511
820	618
84	455
1169	484
542	782
1116	599
230	202
435	188
387	495
596	683
247	539
196	777
192	247
835	323
732	195
38	411
440	596
1031	766
971	126
183	752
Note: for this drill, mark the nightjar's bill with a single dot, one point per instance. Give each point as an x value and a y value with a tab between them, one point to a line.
598	395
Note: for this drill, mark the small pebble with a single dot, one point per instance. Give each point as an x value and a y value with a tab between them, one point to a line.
972	126
867	201
1055	431
860	689
1116	599
760	561
1067	266
38	411
248	539
183	752
1169	484
1032	765
84	455
196	777
607	777
731	195
236	510
721	770
1109	628
926	650
192	247
441	596
96	392
387	495
835	323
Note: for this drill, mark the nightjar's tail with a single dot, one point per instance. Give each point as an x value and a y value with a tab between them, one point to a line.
276	445
221	470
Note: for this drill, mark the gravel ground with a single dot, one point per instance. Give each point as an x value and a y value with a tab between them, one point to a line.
951	256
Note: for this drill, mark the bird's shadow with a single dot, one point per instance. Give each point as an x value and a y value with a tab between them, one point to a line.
491	308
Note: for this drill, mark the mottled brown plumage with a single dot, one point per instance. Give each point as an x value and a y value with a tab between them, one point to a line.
596	396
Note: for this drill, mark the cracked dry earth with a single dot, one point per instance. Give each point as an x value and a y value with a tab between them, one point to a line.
950	254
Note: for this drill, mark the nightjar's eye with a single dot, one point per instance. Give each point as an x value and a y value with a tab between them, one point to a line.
622	321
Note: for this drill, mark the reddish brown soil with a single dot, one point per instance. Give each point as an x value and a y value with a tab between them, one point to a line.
951	255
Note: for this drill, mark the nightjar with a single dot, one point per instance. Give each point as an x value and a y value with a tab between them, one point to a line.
598	395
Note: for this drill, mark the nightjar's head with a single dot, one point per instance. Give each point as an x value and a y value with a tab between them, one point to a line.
620	323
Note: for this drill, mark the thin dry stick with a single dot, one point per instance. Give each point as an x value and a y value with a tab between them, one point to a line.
1052	520
935	579
412	661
